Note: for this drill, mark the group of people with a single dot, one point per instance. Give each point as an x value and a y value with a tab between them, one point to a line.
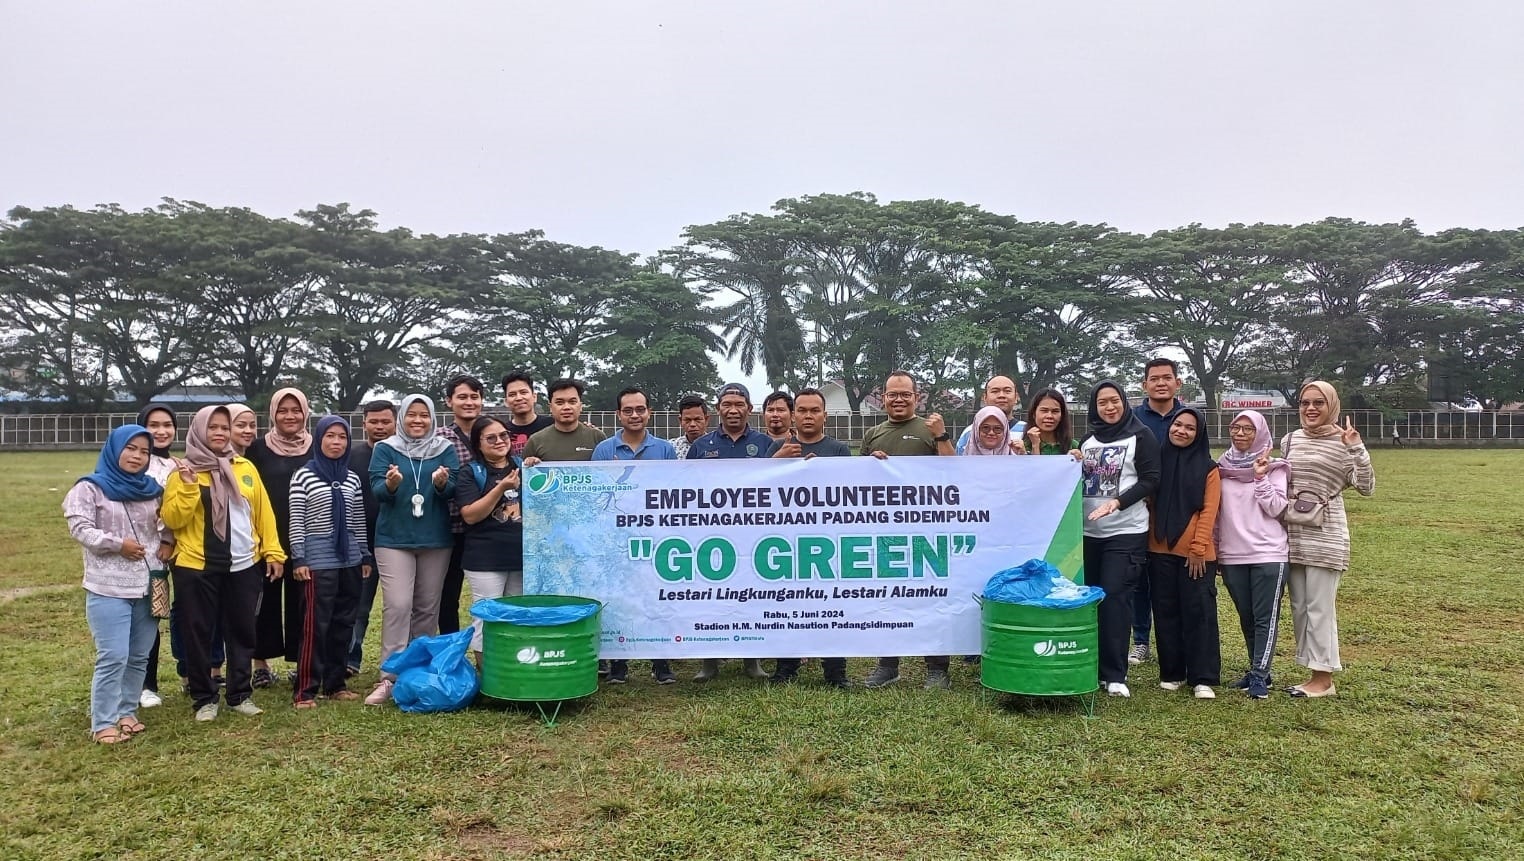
276	544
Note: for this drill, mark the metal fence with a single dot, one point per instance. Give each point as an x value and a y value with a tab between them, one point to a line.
80	431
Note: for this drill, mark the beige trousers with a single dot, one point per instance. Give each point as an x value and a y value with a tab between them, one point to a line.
411	583
1313	618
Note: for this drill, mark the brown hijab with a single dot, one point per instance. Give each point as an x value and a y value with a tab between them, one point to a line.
201	457
1329	427
289	446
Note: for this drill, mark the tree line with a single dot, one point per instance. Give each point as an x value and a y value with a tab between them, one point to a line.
820	287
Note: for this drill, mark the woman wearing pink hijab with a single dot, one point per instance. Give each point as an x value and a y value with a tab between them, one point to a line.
277	455
1326	458
991	434
1251	541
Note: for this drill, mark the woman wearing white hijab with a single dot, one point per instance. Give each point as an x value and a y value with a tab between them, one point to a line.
412	474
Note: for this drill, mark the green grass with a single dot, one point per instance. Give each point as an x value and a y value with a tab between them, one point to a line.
1419	757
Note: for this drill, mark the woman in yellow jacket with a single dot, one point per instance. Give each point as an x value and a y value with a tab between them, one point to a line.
226	545
1182	556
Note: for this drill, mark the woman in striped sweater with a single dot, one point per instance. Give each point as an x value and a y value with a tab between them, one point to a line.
329	559
1325	459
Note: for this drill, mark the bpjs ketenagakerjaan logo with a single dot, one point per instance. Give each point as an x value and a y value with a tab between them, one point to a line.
532	655
551	481
1051	648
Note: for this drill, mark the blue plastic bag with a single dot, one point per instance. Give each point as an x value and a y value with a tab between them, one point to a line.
433	674
1035	583
493	610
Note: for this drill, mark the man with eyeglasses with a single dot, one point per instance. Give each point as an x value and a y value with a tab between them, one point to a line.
906	434
999	392
734	438
1161	384
634	442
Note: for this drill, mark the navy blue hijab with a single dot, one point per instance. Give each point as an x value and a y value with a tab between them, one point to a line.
334	471
116	483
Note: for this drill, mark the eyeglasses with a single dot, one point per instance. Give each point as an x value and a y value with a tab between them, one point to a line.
633	411
1240	430
898	396
1318	403
494	437
992	431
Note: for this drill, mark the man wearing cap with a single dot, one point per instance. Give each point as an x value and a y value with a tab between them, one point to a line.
734	438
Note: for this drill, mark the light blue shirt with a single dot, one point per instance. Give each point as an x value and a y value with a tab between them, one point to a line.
650	448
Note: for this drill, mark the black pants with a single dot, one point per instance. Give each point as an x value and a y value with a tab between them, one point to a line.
1115	564
1185	621
454	581
1256	592
832	668
209	597
151	675
329	602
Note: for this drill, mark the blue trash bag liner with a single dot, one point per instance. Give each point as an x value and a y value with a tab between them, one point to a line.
493	610
1035	583
433	674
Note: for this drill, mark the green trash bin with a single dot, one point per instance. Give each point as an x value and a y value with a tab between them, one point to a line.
541	663
1039	651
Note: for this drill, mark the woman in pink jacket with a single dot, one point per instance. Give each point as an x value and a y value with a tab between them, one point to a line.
1251	541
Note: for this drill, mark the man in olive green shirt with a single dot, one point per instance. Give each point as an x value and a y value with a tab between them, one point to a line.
906	434
568	438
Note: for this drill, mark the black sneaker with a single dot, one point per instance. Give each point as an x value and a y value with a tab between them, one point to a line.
840	682
783	677
603	668
661	671
263	678
619	672
1242	682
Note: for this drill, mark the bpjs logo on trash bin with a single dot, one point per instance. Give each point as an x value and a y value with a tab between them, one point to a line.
532	655
1051	648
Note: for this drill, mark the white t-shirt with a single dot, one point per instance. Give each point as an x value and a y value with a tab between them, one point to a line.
1111	469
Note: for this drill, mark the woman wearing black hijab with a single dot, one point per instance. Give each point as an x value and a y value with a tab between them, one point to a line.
1121	470
1182	550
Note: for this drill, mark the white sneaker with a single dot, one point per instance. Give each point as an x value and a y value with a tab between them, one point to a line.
148	699
1204	692
1172	686
1117	689
207	712
381	694
248	709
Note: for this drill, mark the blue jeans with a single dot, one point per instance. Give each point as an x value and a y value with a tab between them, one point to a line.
124	629
362	618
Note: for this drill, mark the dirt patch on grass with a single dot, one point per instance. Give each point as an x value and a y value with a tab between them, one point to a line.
15	593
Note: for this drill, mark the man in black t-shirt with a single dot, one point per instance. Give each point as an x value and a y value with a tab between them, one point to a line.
810	441
523	422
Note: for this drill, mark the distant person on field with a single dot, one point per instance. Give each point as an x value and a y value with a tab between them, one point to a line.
412	474
227	545
487	493
1120	467
1326	458
1182	556
277	456
635	442
693	418
1161	385
810	441
330	558
113	514
163	426
1251	542
905	434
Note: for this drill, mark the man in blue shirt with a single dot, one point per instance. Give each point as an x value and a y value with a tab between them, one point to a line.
735	437
634	442
1161	383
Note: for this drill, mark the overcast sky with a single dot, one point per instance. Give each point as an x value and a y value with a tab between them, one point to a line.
617	124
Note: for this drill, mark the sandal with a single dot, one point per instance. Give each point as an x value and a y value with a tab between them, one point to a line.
111	735
131	726
344	696
306	704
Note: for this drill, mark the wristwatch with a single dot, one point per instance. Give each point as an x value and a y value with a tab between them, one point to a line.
945	437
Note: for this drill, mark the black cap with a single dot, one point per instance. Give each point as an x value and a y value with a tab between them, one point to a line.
733	389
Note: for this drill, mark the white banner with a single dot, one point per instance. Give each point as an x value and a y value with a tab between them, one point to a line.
847	556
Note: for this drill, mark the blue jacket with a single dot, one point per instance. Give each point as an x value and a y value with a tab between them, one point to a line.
396	527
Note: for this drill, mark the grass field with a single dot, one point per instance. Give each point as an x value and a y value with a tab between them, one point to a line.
1419	757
